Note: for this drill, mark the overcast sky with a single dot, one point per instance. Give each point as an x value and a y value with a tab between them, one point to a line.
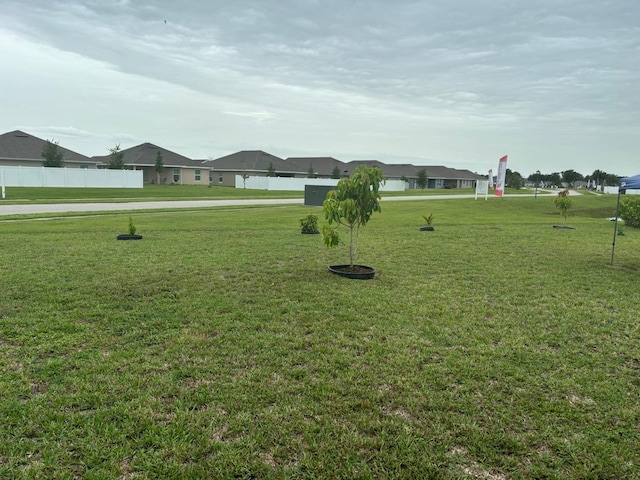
555	84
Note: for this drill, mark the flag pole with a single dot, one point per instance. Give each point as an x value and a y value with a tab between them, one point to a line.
615	227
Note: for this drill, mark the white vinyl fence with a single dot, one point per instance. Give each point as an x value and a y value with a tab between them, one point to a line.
297	184
69	177
614	190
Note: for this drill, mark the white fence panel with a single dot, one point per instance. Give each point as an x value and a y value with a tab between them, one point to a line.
615	191
71	177
298	184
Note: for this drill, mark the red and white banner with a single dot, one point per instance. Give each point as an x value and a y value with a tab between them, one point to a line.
502	173
491	178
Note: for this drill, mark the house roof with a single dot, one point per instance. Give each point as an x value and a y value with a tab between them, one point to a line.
391	170
446	173
144	155
400	170
18	145
321	165
468	174
251	161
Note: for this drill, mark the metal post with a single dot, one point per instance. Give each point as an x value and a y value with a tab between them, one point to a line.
615	228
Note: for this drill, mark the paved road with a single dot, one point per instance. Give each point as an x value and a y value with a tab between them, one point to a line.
112	206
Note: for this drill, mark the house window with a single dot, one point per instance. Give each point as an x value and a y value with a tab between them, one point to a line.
176	175
197	175
220	179
84	165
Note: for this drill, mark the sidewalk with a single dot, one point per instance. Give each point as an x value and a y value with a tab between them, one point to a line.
115	206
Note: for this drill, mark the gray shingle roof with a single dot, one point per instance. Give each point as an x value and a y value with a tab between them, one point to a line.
469	174
446	173
251	161
18	145
145	155
321	165
388	170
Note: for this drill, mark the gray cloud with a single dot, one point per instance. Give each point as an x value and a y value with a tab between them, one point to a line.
455	81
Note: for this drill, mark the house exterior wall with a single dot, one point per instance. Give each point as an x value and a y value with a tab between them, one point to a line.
458	183
224	178
194	176
466	183
175	175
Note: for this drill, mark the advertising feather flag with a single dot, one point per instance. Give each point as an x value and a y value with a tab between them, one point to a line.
502	173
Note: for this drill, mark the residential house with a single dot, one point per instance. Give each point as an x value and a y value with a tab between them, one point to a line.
467	178
249	162
320	167
445	177
176	169
392	171
18	148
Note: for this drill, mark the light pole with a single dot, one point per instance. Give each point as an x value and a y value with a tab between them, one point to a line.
537	182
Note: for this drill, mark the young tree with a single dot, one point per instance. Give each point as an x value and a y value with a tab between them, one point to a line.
271	171
159	166
563	203
422	179
116	158
351	204
53	156
310	172
335	173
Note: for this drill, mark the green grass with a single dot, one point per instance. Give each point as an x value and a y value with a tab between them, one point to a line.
19	195
414	192
147	193
220	347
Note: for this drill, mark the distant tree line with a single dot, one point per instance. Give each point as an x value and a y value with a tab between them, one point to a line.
560	179
571	177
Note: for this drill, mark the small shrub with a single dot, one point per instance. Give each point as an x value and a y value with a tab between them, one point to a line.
309	224
630	210
132	227
428	219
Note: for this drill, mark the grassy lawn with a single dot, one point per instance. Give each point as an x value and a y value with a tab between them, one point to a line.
148	193
220	347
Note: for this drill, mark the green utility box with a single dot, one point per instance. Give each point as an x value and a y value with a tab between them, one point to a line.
315	195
